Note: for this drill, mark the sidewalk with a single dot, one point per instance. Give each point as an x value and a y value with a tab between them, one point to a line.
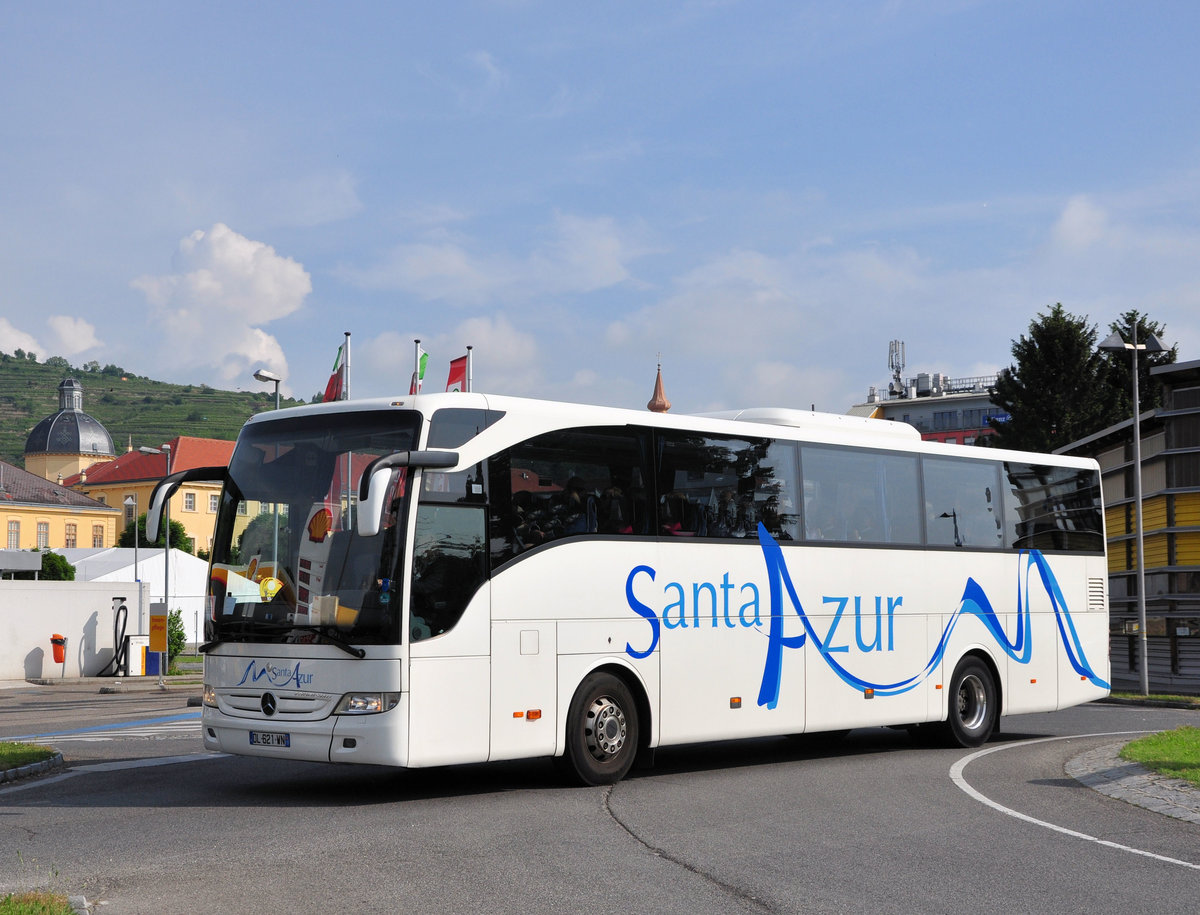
151	683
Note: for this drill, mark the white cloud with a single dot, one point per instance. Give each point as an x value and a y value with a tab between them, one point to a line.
1081	224
210	310
578	255
73	335
12	339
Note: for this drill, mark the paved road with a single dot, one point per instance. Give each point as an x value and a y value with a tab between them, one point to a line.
876	824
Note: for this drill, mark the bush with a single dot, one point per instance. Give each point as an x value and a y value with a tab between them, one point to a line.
176	635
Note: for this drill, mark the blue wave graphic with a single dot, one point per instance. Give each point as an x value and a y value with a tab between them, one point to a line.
974	602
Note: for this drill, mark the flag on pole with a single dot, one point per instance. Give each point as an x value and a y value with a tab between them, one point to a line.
337	382
418	376
457	380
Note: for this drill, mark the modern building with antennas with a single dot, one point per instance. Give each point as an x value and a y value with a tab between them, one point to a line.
942	409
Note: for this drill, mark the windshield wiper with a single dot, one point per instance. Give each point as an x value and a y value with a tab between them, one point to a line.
341	643
251	626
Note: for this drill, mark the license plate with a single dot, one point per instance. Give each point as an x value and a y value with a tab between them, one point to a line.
267	739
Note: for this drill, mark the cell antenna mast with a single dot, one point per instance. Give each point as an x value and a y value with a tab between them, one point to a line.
896	364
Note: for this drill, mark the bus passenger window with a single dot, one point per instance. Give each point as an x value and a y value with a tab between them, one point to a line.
449	565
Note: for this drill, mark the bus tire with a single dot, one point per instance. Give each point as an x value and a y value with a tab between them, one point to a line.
602	731
973	704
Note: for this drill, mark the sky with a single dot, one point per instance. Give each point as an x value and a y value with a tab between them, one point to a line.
758	195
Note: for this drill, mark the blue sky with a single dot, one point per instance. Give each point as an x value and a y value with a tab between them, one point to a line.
764	193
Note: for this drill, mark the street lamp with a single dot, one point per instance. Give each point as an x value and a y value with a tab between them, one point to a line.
165	450
132	502
1115	344
270	377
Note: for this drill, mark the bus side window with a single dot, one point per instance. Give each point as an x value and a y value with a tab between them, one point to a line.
449	565
567	483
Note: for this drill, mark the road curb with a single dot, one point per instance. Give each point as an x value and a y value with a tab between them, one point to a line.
45	767
1103	770
1149	703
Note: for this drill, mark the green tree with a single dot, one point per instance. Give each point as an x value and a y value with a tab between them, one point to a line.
1120	365
54	568
1057	390
179	538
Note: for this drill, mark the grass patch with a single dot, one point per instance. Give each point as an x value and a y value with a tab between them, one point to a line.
1157	697
37	902
13	755
1174	753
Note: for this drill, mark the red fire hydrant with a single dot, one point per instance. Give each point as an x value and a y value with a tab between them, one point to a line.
60	648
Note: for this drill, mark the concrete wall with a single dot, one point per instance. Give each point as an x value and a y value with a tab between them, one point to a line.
32	611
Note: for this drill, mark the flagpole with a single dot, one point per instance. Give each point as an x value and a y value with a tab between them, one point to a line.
416	385
470	377
346	370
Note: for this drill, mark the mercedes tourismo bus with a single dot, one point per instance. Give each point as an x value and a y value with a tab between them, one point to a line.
455	578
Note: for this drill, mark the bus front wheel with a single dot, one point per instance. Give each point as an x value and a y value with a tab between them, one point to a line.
602	731
973	704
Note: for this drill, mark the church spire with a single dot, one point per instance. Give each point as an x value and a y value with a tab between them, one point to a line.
658	402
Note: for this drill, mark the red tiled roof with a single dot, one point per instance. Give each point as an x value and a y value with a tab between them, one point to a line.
135	466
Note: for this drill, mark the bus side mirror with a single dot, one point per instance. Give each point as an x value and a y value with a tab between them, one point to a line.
168	486
373	485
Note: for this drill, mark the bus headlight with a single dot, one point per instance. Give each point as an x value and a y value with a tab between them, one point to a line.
367	703
210	696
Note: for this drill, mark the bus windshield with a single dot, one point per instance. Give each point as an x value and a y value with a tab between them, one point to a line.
287	564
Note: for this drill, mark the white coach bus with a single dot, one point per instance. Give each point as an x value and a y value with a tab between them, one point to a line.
456	578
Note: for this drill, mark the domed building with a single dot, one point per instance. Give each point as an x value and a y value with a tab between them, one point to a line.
68	442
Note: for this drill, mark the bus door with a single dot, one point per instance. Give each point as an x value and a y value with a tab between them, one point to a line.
448	629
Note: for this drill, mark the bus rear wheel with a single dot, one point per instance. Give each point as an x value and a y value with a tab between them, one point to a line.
602	731
973	704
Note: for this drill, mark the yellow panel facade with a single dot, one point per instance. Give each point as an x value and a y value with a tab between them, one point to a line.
1187	509
1114	521
1116	558
1187	549
1155	550
1154	513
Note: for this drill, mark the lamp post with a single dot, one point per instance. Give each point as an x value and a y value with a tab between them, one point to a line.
270	377
166	451
132	502
1115	344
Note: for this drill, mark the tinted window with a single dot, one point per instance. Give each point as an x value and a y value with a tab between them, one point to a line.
962	503
453	426
449	565
860	496
565	483
1053	508
710	486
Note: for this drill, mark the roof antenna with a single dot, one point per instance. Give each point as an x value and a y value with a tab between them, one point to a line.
896	364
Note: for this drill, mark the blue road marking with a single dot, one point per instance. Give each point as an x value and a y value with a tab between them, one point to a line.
140	722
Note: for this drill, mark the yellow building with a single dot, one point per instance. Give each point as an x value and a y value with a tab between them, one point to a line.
1170	477
128	481
40	514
